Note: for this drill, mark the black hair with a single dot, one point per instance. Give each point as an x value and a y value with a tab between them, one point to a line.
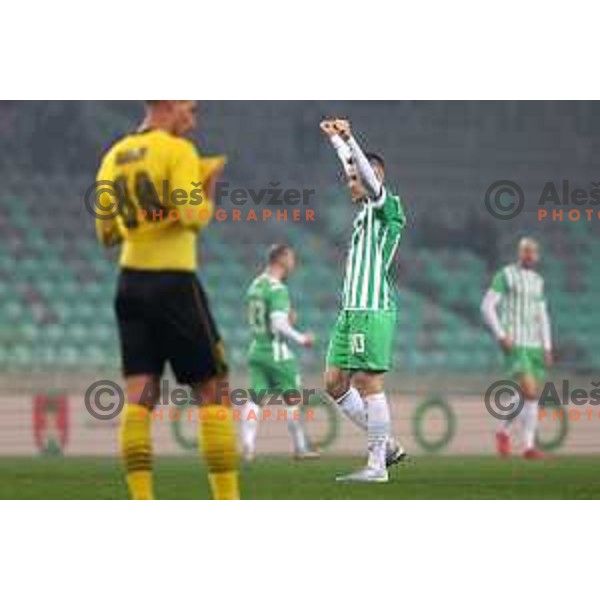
276	251
375	158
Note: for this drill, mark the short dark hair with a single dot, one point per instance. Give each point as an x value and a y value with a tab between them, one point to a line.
376	158
276	251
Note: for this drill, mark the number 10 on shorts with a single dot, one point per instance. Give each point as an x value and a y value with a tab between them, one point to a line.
357	343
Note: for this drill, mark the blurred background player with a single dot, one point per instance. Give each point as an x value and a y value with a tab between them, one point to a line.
162	311
360	346
523	333
271	363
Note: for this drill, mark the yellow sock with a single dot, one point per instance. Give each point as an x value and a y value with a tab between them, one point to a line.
218	441
224	486
136	451
140	485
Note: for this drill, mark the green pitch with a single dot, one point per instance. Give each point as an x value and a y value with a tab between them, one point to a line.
281	478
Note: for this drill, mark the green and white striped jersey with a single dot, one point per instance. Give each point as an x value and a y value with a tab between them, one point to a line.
266	296
376	233
522	304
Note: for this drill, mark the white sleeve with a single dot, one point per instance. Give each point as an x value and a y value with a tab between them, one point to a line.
546	330
343	151
490	314
280	323
366	172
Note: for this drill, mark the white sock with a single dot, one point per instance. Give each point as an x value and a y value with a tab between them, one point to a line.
529	421
505	425
378	429
296	430
249	425
352	405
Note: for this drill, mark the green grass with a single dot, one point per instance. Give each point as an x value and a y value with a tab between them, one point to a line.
443	477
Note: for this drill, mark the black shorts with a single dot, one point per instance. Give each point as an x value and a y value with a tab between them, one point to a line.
164	317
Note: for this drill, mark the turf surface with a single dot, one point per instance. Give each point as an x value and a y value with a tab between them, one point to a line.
438	477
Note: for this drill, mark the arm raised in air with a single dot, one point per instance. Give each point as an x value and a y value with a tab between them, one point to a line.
368	177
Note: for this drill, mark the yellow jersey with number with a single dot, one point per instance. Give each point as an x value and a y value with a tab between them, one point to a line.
149	197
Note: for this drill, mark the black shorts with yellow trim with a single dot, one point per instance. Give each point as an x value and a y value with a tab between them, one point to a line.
164	317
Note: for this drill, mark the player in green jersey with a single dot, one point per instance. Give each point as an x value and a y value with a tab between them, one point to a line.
522	330
360	347
272	365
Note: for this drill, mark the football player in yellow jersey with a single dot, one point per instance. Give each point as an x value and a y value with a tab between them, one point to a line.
153	197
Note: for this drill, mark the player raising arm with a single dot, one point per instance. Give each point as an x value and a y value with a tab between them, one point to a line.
360	347
522	330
